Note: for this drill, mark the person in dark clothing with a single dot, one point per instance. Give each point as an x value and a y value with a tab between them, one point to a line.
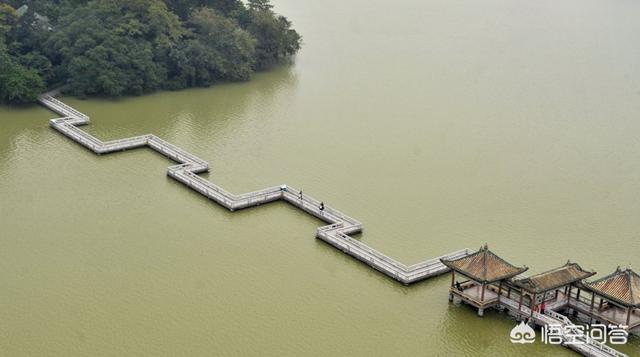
322	206
300	195
458	286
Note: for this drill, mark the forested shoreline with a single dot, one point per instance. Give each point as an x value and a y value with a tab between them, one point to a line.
132	47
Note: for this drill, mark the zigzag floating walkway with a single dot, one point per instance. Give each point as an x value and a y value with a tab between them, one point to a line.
336	233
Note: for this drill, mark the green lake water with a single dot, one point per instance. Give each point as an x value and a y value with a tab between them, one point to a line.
438	124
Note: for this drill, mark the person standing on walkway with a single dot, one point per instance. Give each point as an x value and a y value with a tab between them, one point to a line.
300	195
321	206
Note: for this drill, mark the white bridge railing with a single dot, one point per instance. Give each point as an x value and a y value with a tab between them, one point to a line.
336	233
580	336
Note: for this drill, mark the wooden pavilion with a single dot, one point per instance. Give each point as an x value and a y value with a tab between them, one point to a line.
550	289
618	298
482	269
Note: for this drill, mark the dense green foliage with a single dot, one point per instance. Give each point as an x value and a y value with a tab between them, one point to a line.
18	83
121	47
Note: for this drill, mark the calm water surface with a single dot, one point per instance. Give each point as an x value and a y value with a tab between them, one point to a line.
439	124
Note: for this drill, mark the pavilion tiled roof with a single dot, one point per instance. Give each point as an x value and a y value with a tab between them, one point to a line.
554	278
484	266
621	286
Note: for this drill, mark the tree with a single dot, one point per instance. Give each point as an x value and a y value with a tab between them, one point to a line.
260	5
115	47
184	8
17	83
230	50
276	38
120	47
7	20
